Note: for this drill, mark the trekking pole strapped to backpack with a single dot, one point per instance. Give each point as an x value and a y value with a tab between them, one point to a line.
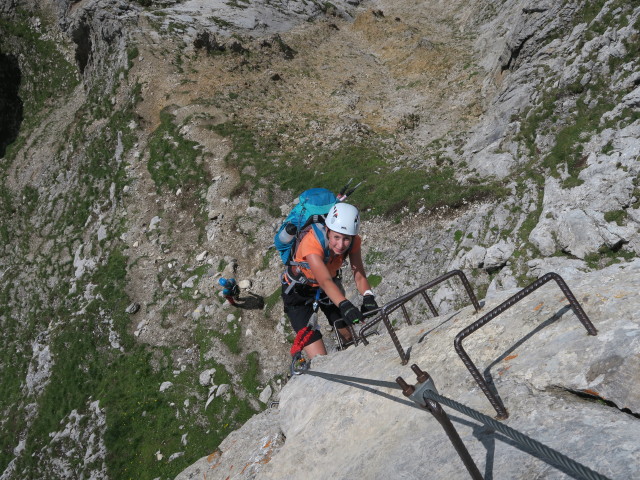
342	196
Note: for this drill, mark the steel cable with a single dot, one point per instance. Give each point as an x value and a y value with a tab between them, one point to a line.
539	448
547	453
330	376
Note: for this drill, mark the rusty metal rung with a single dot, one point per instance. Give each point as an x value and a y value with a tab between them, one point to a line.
417	394
400	302
575	306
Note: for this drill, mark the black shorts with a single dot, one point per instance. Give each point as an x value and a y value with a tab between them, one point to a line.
298	305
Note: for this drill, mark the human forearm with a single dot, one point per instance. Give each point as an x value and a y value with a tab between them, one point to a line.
324	279
359	275
332	290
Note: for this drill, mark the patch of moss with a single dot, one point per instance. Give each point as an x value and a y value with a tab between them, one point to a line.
231	338
271	301
298	169
618	216
250	374
591	99
173	160
373	256
568	148
266	259
46	74
606	256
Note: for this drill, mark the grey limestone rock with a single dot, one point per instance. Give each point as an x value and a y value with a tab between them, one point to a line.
498	255
265	395
244	453
474	258
575	219
539	358
206	376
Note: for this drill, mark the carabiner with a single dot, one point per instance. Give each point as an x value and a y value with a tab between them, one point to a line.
299	364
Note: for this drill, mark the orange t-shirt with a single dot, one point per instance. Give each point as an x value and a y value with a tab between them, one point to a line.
310	245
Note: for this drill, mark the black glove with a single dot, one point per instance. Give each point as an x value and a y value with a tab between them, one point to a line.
368	304
350	314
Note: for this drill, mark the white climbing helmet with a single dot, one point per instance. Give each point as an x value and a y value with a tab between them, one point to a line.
343	218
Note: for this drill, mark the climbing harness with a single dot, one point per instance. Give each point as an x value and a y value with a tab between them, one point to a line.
299	364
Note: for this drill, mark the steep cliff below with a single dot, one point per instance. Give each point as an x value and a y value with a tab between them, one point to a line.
573	392
149	148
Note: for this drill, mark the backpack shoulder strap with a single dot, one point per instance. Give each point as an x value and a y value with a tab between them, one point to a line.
319	231
321	234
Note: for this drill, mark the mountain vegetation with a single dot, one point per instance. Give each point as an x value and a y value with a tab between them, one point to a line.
148	148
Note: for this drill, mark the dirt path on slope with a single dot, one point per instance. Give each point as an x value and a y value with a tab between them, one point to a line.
401	68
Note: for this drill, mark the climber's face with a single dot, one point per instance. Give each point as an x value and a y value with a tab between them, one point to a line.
339	242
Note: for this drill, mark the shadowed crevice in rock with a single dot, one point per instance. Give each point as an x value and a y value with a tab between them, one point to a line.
81	36
592	397
11	109
208	41
515	52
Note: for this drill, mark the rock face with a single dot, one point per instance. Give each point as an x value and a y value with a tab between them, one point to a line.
148	148
258	441
576	220
257	17
575	393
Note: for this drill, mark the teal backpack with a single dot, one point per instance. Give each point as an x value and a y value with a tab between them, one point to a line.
313	206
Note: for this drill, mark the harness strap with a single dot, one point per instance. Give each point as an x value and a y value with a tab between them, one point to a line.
301	340
290	278
290	281
320	231
304	335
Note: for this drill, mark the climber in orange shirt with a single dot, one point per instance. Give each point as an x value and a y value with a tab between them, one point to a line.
316	267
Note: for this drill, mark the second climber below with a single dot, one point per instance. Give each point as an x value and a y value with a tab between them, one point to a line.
314	267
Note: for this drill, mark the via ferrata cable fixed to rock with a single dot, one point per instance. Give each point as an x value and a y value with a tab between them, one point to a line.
299	364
